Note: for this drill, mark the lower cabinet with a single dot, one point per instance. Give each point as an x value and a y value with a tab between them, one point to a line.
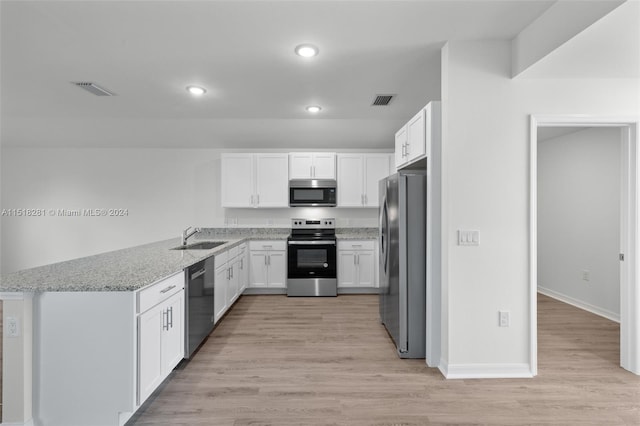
268	264
160	334
243	273
231	278
356	264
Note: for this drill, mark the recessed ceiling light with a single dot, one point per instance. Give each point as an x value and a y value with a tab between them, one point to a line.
196	90
313	109
306	50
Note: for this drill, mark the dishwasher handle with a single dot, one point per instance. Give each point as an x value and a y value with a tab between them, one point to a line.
197	274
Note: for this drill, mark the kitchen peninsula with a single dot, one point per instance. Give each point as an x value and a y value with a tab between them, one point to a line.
80	326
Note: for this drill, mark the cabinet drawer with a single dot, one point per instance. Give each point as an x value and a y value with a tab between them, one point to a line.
221	259
233	252
357	245
268	245
160	291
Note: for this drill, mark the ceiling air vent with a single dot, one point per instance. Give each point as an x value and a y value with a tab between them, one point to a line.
94	88
382	100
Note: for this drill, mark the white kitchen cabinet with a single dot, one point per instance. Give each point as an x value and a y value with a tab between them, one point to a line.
149	352
160	337
243	274
350	176
401	144
356	264
268	264
228	279
312	165
220	286
414	140
254	180
272	180
237	180
358	177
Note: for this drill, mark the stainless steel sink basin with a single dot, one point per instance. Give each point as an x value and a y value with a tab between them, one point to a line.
204	245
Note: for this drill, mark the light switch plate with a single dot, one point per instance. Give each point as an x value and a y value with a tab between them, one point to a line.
13	327
504	319
468	238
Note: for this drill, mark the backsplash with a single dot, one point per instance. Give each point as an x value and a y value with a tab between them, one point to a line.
238	232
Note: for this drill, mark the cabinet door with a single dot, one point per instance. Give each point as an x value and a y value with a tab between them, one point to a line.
401	141
149	352
416	136
237	180
350	192
272	180
324	165
173	333
244	272
300	165
277	261
366	271
234	279
258	267
346	268
220	292
376	167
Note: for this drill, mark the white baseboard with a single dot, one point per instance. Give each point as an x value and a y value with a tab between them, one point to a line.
29	423
485	371
580	304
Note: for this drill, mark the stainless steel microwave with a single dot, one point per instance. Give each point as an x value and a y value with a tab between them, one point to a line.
312	193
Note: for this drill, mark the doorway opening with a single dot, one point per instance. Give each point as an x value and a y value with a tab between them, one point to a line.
563	231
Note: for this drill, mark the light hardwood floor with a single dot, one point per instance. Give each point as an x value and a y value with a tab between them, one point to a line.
1	334
327	361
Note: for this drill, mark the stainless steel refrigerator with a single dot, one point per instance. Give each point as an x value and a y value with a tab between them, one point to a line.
402	251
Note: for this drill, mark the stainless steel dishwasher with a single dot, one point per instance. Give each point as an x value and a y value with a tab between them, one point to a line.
199	315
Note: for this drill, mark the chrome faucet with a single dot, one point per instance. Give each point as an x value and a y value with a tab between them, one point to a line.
186	234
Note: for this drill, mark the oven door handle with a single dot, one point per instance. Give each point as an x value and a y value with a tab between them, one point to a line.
313	243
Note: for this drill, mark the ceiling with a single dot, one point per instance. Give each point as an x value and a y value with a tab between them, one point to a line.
610	48
147	52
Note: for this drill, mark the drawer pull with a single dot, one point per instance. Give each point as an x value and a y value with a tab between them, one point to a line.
168	289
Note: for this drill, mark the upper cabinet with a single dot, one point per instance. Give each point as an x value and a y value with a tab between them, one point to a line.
414	139
254	180
358	178
312	165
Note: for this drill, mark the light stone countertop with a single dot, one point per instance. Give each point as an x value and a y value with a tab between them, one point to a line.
133	268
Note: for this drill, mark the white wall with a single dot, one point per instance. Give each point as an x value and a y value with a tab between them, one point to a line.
164	190
485	168
579	219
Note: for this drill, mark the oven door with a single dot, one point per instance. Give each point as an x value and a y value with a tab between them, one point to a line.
312	259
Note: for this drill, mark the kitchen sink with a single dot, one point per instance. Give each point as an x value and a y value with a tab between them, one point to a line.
204	245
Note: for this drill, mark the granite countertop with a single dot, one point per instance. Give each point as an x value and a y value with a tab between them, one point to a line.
370	235
133	268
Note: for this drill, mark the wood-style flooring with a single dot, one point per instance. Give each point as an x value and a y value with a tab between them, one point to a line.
327	361
1	334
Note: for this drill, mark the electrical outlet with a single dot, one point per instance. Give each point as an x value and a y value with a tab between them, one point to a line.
586	275
503	319
13	327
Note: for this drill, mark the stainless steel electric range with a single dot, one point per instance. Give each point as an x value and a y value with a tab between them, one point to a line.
312	260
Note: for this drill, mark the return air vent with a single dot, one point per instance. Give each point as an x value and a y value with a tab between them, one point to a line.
382	100
94	88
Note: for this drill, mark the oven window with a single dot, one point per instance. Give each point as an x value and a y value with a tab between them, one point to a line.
308	194
312	258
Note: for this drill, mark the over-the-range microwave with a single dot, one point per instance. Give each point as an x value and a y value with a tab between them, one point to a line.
312	193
